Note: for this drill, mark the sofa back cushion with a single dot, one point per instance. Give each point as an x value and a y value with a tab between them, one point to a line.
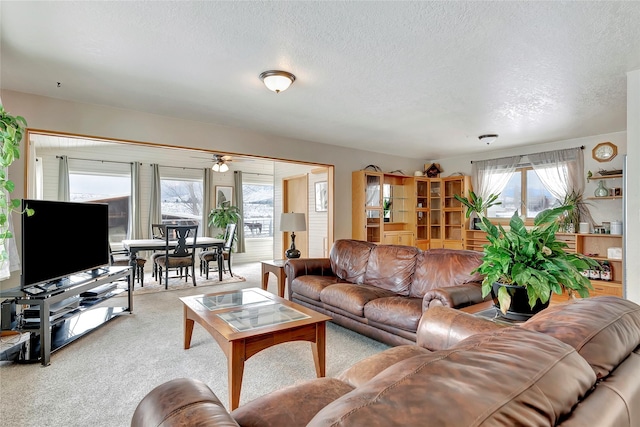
441	268
604	330
497	378
349	259
391	267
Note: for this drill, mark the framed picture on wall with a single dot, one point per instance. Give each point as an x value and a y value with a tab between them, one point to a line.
224	196
321	196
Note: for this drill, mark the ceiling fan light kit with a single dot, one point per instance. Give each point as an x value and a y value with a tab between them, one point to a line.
276	80
488	138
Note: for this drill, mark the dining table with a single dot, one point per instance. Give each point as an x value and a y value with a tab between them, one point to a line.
138	245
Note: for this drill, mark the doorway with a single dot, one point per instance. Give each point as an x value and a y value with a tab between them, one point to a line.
295	192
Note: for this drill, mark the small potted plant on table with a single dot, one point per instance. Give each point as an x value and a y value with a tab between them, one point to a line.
527	263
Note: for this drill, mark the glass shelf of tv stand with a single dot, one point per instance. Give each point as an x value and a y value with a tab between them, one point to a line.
72	325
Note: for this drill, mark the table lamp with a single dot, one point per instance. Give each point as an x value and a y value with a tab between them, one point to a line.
293	222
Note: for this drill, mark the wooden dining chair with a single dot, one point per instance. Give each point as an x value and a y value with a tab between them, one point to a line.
208	256
178	253
123	258
158	231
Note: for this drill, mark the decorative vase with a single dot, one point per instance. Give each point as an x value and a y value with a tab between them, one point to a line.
601	191
520	309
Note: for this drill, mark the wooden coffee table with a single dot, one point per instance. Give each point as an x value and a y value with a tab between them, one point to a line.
247	321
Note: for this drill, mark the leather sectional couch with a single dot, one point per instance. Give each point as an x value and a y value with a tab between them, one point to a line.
572	365
382	290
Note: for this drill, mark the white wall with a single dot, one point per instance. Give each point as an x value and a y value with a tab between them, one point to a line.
632	217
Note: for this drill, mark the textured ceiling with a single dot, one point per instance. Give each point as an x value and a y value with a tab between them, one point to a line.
420	79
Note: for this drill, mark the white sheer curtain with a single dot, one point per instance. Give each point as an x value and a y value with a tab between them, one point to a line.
63	180
491	176
560	171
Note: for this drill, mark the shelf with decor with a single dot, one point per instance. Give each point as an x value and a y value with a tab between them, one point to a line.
596	246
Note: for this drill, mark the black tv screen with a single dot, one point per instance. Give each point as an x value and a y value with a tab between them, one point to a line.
63	238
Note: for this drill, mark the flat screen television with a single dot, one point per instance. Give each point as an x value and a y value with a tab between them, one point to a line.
63	238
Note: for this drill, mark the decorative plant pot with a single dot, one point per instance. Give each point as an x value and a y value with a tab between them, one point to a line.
520	308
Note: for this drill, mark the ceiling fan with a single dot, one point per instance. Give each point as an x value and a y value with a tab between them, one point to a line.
220	163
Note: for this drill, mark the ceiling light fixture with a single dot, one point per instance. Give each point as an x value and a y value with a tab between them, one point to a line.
221	166
276	80
489	138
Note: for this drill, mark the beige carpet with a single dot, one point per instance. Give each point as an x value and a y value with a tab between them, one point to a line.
176	283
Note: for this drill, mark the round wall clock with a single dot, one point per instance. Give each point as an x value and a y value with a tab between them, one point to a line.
604	152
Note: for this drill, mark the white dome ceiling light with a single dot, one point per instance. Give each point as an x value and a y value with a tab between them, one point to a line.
276	80
488	138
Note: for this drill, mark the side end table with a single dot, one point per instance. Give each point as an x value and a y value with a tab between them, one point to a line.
275	266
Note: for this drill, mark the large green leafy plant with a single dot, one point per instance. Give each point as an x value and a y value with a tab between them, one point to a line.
224	215
11	130
532	258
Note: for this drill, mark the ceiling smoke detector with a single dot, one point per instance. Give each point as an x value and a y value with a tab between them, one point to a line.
488	138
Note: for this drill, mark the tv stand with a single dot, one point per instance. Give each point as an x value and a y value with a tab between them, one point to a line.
54	333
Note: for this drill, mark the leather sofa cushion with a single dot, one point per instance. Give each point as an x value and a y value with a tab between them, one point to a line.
352	298
604	330
349	259
291	406
495	378
311	286
391	267
400	312
440	268
371	366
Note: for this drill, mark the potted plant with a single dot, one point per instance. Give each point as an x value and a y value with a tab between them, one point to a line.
527	261
386	207
224	215
11	130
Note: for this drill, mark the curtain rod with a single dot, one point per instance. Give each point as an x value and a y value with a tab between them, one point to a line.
581	147
126	163
95	160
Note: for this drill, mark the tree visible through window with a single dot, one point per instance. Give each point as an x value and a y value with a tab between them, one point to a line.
181	202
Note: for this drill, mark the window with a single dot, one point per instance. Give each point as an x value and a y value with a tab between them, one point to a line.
523	193
258	210
114	190
181	202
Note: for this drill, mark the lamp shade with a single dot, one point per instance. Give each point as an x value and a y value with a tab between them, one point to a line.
292	222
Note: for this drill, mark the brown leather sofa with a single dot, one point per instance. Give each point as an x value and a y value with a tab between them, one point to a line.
382	290
573	365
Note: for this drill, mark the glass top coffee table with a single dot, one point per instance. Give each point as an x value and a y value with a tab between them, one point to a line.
247	321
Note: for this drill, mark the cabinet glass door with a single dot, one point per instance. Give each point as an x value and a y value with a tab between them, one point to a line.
435	210
373	191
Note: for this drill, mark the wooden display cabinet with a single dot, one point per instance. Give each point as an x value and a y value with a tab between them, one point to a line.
367	213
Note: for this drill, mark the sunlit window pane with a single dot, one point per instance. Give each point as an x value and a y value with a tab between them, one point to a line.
510	198
111	189
181	202
538	198
258	210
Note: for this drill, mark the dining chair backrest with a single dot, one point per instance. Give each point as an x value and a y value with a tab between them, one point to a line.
180	233
229	234
158	231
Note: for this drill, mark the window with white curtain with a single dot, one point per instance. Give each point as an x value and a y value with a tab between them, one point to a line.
524	193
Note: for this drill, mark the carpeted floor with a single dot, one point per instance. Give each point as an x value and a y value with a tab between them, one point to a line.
99	379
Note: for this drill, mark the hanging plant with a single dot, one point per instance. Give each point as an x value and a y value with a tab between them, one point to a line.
11	130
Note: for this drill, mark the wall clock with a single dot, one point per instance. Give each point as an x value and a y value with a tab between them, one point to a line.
604	152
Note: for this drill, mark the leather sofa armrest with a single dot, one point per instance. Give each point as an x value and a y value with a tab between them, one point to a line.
443	327
454	296
308	266
181	402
